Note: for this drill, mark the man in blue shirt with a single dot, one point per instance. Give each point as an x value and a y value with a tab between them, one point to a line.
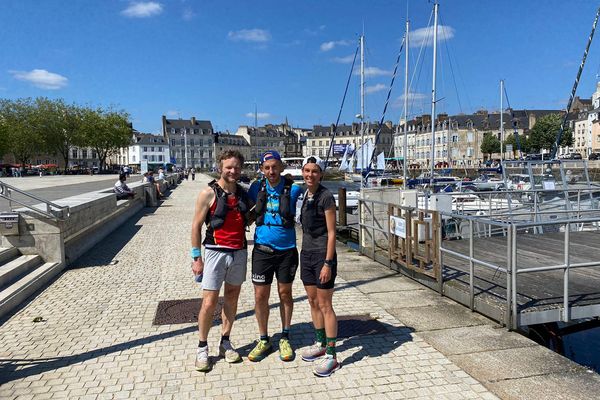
274	251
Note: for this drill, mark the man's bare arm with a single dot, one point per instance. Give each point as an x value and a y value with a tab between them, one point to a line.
203	203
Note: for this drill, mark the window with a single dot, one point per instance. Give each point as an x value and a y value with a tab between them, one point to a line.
470	137
196	131
152	158
145	148
172	142
84	153
74	153
192	153
320	143
160	148
173	130
182	142
160	158
94	154
454	138
152	149
469	152
133	158
144	157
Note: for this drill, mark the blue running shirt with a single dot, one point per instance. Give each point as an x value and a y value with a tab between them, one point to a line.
272	233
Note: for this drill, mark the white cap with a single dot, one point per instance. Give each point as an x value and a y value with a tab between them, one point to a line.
314	160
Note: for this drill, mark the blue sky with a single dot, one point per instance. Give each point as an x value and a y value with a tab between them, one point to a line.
215	59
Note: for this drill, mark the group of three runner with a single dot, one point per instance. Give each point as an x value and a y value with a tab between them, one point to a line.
227	209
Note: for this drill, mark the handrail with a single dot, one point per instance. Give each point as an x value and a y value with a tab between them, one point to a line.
53	210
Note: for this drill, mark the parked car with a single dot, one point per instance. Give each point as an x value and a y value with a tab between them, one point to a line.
594	156
575	156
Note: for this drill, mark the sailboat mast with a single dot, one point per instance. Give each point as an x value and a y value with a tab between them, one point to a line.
362	105
435	26
501	120
405	145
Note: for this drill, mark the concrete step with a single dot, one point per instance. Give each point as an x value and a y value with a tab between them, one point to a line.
16	294
7	254
18	267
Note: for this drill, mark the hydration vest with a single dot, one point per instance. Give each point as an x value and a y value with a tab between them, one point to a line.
285	212
216	219
313	222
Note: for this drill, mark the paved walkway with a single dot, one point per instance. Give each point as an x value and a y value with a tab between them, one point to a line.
97	340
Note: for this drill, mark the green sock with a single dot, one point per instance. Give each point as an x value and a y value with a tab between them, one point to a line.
330	346
320	333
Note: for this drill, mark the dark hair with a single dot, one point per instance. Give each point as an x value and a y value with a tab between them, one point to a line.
122	177
227	154
311	160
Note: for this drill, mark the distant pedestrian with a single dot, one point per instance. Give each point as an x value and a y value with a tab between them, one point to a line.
222	206
318	262
122	190
193	174
187	174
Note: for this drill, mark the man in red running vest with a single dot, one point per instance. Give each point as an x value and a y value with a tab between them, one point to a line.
222	206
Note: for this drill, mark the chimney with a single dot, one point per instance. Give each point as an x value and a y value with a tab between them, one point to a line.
164	125
193	121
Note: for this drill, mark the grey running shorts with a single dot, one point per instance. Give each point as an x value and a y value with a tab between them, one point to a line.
224	266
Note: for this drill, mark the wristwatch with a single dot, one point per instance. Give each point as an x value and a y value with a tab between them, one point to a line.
329	263
196	258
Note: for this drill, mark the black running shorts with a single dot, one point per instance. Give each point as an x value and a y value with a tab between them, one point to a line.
311	264
267	262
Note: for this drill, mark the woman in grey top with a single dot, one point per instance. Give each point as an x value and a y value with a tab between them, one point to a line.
319	265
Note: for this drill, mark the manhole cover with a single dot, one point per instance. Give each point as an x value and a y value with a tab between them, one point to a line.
359	325
185	311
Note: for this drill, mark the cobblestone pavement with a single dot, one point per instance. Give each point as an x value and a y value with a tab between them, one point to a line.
97	340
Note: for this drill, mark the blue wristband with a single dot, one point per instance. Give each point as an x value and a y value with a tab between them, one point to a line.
195	252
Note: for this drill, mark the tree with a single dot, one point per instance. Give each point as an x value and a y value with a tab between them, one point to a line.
105	131
543	134
523	144
24	137
490	144
62	126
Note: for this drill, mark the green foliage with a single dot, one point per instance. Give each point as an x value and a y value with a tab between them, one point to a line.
105	131
23	134
511	139
490	144
543	134
28	127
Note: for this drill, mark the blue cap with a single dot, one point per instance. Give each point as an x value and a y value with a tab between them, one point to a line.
270	155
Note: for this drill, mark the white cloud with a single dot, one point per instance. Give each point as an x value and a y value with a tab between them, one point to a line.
417	36
142	9
188	14
412	97
374	71
258	115
343	60
327	46
376	88
249	35
41	78
315	32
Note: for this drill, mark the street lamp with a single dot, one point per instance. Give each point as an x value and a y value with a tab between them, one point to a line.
185	147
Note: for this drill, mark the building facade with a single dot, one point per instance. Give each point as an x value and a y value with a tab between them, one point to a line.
281	138
191	142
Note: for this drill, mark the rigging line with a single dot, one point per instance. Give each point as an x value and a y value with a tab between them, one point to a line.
418	70
387	100
452	71
574	90
341	108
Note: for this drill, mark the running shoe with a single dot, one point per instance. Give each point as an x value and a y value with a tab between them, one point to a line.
262	349
286	353
327	366
226	350
313	352
202	360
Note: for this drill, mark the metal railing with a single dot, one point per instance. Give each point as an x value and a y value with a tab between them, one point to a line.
374	232
52	210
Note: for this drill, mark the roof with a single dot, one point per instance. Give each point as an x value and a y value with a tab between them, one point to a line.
187	123
148	139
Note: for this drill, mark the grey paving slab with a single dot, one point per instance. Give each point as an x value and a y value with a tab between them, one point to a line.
420	297
583	386
475	339
97	340
440	316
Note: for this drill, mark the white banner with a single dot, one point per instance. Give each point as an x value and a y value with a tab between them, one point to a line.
398	226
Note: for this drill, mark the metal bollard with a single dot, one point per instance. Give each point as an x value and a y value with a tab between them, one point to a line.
343	218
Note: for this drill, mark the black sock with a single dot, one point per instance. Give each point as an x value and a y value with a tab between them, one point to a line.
224	338
285	333
264	337
202	343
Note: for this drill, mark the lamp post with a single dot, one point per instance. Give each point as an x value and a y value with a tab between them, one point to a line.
185	147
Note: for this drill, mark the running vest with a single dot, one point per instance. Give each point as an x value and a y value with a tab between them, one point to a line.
226	219
285	212
313	222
